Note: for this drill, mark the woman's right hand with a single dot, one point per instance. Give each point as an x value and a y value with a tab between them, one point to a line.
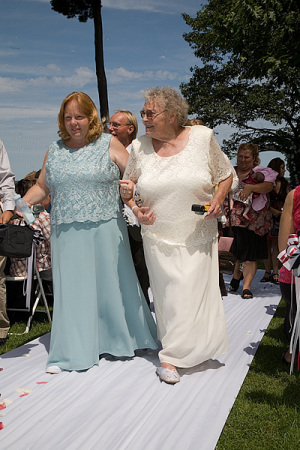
247	190
6	216
126	189
144	215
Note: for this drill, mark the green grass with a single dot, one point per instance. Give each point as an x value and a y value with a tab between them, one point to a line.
40	325
266	413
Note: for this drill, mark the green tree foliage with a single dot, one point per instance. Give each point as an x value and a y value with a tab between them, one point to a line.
249	77
84	10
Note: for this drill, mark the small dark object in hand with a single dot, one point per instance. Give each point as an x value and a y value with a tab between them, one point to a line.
200	209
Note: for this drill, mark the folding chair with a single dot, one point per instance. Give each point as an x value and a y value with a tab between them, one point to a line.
32	295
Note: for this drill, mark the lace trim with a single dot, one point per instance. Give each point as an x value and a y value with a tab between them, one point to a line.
167	248
171	185
84	183
195	234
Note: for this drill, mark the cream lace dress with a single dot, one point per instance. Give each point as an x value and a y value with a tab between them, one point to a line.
181	248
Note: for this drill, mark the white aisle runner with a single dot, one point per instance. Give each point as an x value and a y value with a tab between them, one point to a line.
122	405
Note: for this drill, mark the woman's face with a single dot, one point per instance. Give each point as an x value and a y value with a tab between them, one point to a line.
155	119
282	170
245	160
76	122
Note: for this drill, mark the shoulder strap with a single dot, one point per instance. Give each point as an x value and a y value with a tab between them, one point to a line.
230	232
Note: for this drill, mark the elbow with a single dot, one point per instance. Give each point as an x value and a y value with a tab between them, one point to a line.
269	187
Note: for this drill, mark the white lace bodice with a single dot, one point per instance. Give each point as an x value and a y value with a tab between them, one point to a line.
170	185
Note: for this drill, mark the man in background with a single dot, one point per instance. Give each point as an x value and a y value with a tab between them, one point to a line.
123	125
7	191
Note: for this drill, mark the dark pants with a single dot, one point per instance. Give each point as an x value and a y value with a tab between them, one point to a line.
137	251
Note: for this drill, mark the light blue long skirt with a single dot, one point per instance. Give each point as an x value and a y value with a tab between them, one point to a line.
99	306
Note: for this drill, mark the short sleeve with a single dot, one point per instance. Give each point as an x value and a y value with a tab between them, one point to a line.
219	162
133	171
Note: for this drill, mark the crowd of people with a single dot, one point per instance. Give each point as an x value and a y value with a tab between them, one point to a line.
103	271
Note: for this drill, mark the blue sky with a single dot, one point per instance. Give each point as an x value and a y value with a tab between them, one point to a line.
44	56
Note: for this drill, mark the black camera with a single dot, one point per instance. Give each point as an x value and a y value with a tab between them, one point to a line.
200	209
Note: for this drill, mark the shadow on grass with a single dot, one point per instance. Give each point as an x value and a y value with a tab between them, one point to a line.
290	396
26	347
268	368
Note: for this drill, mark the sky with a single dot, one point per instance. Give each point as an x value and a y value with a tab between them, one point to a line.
44	56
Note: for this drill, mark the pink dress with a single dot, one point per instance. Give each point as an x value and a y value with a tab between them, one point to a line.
259	220
285	275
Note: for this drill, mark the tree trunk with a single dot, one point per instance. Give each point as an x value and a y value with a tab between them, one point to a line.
99	59
293	165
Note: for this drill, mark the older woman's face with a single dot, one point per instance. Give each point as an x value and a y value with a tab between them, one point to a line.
154	119
76	122
245	160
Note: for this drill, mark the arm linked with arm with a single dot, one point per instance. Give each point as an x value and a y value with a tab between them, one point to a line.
40	190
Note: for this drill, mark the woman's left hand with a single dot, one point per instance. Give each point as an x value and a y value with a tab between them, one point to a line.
145	215
216	202
126	189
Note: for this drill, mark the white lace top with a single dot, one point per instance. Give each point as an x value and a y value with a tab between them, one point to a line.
170	185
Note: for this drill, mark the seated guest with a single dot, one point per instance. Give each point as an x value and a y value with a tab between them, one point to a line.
18	266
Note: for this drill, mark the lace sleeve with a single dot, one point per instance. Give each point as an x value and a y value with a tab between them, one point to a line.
220	165
132	171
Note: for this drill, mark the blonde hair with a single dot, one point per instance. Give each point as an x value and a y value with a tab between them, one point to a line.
253	148
192	122
131	120
88	107
173	102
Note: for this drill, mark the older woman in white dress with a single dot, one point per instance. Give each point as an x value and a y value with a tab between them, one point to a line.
176	166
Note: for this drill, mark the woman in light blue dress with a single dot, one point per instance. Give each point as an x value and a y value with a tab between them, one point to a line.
99	307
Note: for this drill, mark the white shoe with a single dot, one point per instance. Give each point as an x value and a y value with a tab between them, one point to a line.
170	376
53	369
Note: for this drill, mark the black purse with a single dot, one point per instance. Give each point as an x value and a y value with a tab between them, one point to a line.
226	257
15	240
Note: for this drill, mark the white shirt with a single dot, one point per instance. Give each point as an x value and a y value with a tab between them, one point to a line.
7	181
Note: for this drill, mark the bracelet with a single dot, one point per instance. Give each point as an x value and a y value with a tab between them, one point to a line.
135	206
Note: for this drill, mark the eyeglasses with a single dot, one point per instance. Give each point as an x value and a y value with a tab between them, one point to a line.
150	114
118	125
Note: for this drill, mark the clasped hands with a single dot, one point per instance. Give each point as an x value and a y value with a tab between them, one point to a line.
143	213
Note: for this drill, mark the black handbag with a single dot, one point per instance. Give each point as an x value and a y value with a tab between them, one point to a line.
226	257
15	240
